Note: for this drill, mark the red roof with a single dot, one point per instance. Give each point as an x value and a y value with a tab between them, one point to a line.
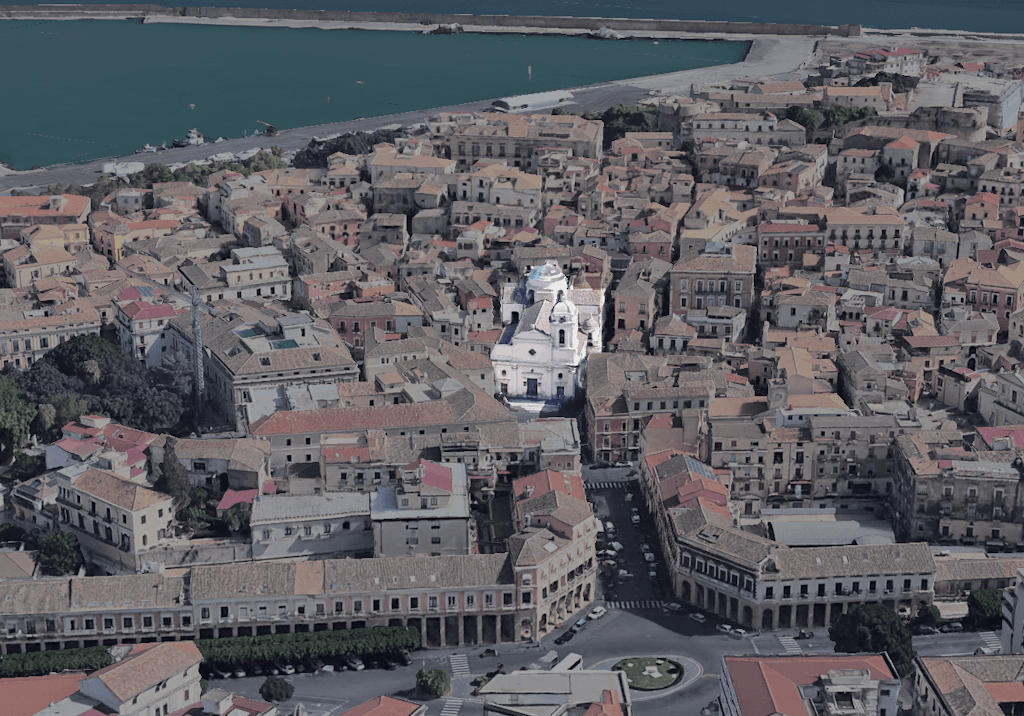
139	310
766	685
434	474
786	228
1014	432
28	695
547	481
236	497
930	341
384	706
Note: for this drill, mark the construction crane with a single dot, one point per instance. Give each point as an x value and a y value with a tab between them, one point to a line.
271	129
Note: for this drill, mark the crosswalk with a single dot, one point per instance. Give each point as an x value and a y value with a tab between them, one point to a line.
451	707
619	484
991	640
637	604
460	666
790	646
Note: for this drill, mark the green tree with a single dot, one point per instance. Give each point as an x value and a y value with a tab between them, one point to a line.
928	615
68	357
40	663
237	518
15	417
174	374
173	478
60	555
810	119
874	628
276	689
11	533
26	467
984	609
435	682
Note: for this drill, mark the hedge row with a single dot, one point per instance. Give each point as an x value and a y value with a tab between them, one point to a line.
40	663
229	653
237	651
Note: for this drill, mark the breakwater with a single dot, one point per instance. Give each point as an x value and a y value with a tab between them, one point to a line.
622	25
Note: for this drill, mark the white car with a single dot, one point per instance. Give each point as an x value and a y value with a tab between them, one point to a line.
629	497
698	617
739	633
724	628
635	519
649	557
674	607
597	613
288	669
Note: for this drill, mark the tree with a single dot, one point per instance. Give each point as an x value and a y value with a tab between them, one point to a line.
276	689
173	478
984	609
237	518
435	682
809	119
68	357
11	533
874	628
60	555
15	416
928	615
26	467
174	374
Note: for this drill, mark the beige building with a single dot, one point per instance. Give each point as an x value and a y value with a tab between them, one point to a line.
425	513
308	526
24	265
24	341
518	137
147	679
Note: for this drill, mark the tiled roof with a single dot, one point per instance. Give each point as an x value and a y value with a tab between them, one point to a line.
117	491
28	695
148	665
384	706
854	560
930	341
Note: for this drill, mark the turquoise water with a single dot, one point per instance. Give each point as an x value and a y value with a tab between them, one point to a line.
90	89
973	15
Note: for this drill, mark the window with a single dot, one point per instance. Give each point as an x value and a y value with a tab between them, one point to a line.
224	612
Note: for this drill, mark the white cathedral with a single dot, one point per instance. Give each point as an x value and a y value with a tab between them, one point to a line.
543	348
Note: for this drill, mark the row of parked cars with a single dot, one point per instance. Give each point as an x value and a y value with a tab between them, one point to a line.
390	662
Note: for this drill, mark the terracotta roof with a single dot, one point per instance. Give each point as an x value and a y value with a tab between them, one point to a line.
148	665
548	480
117	491
384	706
930	341
28	695
766	685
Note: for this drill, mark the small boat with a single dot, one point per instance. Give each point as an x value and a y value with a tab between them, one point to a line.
146	149
193	137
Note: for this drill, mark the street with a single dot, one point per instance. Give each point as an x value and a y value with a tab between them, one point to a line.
637	624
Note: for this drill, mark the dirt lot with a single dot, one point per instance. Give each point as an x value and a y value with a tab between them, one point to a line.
949	51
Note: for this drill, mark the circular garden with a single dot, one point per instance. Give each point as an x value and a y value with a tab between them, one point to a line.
650	673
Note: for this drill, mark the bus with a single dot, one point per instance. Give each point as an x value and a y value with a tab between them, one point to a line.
572	662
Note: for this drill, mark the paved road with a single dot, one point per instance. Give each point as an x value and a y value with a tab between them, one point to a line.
767	56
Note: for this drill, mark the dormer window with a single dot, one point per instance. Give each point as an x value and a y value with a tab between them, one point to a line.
265	361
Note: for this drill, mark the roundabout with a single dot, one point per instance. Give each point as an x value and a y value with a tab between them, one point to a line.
650	676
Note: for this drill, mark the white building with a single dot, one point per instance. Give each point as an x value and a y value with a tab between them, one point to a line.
289	526
542	351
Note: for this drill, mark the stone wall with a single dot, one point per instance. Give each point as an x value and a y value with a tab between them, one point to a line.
622	25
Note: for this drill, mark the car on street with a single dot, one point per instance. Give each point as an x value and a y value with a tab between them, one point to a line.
951	627
645	548
724	628
565	637
287	669
597	613
739	633
635	519
239	673
623	463
406	660
804	634
579	626
923	630
629	497
354	663
649	557
698	617
984	651
674	607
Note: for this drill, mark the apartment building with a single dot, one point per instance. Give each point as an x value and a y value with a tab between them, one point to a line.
1002	402
26	340
636	298
987	287
873	228
945	494
942	682
756	128
353	319
897	60
142	330
519	137
785	243
761	583
252	273
857	685
19	212
26	264
425	513
501	184
147	679
309	526
720	274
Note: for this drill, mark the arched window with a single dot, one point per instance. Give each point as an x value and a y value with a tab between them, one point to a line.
345	525
561	337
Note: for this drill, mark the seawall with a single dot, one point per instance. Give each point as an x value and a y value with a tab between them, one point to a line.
622	25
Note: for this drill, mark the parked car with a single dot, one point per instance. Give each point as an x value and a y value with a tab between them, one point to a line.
565	637
635	519
239	673
645	548
674	607
623	463
327	669
921	629
724	628
629	497
579	626
649	556
698	617
597	613
739	633
949	627
406	660
984	651
287	669
804	634
354	663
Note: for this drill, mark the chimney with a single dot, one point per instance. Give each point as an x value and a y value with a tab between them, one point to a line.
528	493
527	520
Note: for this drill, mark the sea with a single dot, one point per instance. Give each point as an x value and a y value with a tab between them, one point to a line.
76	91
